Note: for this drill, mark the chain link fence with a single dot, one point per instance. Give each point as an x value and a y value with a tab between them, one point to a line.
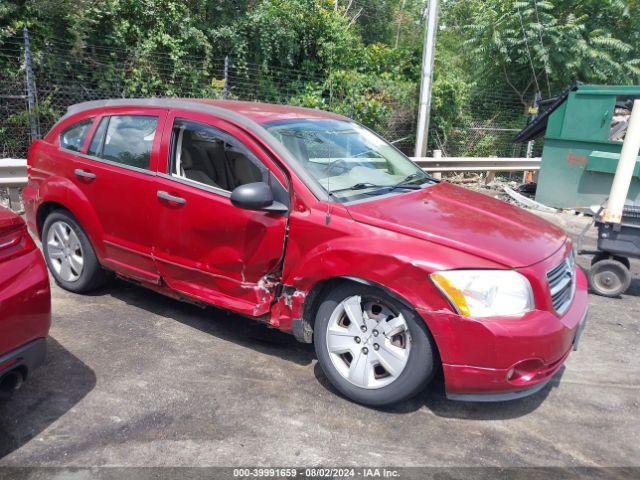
64	76
485	129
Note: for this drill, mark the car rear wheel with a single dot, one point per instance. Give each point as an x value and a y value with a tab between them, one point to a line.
371	347
69	254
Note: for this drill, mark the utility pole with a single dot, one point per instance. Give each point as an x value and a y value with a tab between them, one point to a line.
34	126
428	55
225	89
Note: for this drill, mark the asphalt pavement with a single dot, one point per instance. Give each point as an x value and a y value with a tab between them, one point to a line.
136	379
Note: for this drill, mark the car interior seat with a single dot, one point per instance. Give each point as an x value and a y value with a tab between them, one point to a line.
190	170
244	170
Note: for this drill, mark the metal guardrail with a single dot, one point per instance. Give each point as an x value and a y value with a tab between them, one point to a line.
13	172
477	164
13	176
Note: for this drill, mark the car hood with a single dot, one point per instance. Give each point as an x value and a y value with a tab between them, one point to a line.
467	221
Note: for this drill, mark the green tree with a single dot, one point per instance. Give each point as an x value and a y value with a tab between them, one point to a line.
544	45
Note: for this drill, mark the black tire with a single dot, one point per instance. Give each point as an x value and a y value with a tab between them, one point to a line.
420	365
93	275
598	257
605	256
609	277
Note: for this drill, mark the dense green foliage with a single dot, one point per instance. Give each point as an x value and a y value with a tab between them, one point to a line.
358	57
547	45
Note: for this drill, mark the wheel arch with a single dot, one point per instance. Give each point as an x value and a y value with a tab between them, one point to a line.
321	288
64	195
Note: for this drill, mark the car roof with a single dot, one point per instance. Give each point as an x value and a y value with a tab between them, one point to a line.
269	112
249	115
255	111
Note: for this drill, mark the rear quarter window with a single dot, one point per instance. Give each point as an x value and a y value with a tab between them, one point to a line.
73	137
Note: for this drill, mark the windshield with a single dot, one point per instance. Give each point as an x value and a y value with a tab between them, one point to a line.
349	161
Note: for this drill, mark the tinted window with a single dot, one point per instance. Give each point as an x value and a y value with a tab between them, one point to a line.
206	155
129	139
73	137
96	141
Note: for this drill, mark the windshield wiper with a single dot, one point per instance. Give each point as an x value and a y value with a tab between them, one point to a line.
402	184
361	186
405	183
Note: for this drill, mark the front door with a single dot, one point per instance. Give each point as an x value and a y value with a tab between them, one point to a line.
117	175
205	247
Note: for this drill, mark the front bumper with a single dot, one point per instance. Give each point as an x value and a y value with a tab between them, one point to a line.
506	359
520	389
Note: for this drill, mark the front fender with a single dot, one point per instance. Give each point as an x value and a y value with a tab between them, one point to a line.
405	277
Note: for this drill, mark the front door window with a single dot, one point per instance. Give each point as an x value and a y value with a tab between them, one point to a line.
206	155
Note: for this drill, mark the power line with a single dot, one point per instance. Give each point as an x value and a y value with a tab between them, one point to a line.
526	42
544	55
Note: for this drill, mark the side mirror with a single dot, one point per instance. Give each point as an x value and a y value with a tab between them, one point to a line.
256	196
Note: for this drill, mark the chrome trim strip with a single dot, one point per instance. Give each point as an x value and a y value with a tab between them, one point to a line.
561	285
112	163
563	276
195	184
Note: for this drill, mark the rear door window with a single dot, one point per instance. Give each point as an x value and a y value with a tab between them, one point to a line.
73	137
125	139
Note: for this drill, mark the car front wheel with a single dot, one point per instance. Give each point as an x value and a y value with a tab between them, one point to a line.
371	347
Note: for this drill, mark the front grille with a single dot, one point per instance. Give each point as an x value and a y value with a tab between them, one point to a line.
562	280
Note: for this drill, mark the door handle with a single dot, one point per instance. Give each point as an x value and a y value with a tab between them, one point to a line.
81	173
171	198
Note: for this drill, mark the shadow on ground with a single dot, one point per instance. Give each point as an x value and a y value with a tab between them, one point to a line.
259	337
634	288
227	326
434	399
45	397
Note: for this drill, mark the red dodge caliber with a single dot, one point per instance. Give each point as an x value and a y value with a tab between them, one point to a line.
25	303
311	223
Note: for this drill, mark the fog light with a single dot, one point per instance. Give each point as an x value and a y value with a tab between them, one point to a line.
525	371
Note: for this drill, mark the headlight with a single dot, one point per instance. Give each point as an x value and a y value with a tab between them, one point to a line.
486	293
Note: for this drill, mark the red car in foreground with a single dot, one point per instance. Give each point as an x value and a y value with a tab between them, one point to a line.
25	303
309	222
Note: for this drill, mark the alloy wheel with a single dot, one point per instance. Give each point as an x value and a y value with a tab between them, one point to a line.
368	342
65	251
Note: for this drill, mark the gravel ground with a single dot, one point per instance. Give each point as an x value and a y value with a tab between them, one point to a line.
137	379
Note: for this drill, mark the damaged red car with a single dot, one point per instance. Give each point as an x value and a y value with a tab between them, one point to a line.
25	303
311	223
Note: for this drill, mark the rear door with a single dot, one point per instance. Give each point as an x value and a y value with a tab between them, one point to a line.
117	175
206	247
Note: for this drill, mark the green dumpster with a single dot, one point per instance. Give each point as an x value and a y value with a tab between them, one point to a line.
584	129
